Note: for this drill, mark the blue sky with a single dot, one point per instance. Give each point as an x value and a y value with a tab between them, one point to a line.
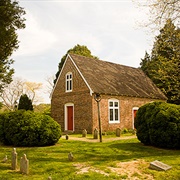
108	28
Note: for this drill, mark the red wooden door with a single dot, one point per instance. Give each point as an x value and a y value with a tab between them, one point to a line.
135	111
70	117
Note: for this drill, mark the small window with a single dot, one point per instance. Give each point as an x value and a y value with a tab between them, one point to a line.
114	111
69	82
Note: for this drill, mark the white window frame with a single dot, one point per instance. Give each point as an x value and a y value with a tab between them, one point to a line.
69	82
113	108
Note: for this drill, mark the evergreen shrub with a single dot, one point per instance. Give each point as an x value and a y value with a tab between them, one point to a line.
158	124
27	128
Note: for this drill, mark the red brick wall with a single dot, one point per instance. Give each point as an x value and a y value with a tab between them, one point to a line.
126	105
80	97
85	107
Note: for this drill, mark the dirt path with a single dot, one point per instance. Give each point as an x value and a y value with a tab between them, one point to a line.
88	139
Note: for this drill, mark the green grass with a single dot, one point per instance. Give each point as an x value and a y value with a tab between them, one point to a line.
99	157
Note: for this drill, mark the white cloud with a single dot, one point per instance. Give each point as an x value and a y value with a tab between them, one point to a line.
52	27
34	39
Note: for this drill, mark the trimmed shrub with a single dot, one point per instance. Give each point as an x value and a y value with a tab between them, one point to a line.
26	128
158	124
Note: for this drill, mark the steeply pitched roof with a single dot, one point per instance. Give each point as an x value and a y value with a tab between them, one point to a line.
115	79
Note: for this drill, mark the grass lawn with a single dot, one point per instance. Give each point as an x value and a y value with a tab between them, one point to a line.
119	159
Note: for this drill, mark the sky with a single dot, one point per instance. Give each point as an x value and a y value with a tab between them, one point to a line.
109	28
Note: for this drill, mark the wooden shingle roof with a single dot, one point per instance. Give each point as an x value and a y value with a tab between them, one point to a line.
115	79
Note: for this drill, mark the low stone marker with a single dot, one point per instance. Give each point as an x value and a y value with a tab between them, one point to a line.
67	137
49	178
95	133
70	156
159	166
5	159
14	159
118	132
24	165
84	133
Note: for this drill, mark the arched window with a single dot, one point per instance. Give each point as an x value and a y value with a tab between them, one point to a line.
114	115
69	82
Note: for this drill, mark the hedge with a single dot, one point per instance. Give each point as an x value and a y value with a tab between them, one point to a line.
27	128
158	124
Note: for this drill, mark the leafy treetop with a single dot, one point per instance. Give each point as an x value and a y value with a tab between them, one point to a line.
79	50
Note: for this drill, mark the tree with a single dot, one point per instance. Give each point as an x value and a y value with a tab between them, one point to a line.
11	19
163	67
11	94
31	89
13	91
145	63
162	10
25	103
78	49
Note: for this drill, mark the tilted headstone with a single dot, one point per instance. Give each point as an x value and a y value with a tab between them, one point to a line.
84	133
70	156
95	133
159	166
24	165
14	159
118	132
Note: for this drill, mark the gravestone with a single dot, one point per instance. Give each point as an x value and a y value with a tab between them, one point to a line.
24	165
70	156
118	132
159	166
5	159
49	178
95	133
84	133
67	137
14	159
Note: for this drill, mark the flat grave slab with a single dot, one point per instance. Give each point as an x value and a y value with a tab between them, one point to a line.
159	166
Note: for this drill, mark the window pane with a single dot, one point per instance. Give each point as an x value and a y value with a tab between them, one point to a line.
116	104
70	76
70	85
111	114
116	114
111	104
67	77
67	85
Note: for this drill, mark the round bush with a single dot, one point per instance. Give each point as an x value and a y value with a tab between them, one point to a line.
158	124
26	128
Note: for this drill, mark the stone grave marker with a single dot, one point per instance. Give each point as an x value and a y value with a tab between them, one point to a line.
5	159
24	165
84	133
95	133
67	137
14	159
70	156
159	166
49	178
118	132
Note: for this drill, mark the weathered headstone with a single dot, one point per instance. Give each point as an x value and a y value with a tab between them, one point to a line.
159	166
70	156
5	159
14	159
84	133
118	132
67	137
49	178
95	133
24	165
